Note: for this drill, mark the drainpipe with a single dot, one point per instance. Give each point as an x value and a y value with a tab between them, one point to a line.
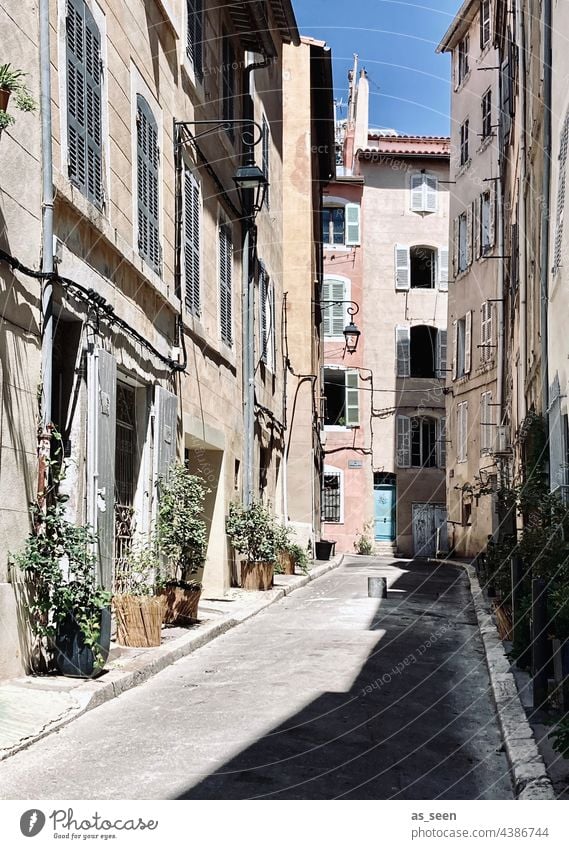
544	252
520	40
248	263
47	246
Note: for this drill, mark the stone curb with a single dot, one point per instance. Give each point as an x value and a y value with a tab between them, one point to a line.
529	775
96	692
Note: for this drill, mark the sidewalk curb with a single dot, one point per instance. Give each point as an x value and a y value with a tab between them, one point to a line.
529	775
96	692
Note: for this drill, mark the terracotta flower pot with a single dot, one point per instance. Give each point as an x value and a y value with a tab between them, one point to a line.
4	98
257	575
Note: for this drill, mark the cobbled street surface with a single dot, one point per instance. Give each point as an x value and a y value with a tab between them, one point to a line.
326	694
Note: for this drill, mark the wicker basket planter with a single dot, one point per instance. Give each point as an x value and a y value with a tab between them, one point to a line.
139	620
180	602
257	575
287	562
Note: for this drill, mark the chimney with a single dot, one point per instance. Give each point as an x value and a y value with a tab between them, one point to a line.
362	113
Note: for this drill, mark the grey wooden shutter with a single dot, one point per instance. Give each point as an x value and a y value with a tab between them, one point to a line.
441	354
469	233
442	267
225	283
454	349
192	242
263	307
556	446
455	247
417	192
102	421
165	436
442	458
266	158
147	186
402	268
194	35
84	139
430	189
403	351
563	147
403	442
468	342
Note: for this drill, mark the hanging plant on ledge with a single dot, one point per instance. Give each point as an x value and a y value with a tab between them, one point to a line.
12	82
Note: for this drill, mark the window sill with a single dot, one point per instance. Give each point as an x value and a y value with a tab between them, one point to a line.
339	428
463	168
485	143
342	248
72	196
171	17
461	84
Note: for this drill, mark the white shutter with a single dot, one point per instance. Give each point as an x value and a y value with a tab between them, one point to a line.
430	193
442	458
402	268
333	310
478	219
353	224
352	398
403	442
417	193
469	228
442	265
454	348
403	351
441	354
468	342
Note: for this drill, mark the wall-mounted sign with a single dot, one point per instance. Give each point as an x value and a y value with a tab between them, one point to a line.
355	464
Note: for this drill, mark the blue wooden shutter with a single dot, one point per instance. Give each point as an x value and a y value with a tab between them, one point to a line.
192	239
147	184
194	35
225	283
84	141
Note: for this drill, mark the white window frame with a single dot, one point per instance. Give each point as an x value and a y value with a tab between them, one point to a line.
423	206
347	372
342	203
101	22
462	432
329	313
486	423
330	471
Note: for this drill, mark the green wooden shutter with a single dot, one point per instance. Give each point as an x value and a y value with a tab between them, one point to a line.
353	236
225	283
84	117
194	35
352	398
147	184
192	240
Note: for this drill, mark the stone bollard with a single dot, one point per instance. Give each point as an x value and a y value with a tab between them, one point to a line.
377	587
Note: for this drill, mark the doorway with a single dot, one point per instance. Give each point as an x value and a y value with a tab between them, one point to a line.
384	507
429	529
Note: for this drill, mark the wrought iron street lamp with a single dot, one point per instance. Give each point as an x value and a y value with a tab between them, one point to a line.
351	331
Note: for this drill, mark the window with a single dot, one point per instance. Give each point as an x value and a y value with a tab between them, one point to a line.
225	283
341	392
507	70
192	241
421	352
462	61
462	432
486	223
341	224
332	496
334	314
266	154
463	240
462	346
486	349
442	460
486	105
228	92
424	193
421	267
267	306
84	115
147	187
464	142
486	423
419	440
485	22
194	36
563	147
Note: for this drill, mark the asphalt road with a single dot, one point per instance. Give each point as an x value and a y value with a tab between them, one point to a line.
327	694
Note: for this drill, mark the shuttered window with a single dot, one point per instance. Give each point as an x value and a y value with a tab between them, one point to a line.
441	354
462	432
442	452
486	333
225	283
462	227
424	193
84	116
147	188
352	399
464	142
267	159
192	243
468	342
194	35
333	310
485	22
353	224
267	308
403	442
563	146
442	266
486	422
402	268
403	351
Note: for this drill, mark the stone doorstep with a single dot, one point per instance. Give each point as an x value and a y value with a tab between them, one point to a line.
51	702
529	774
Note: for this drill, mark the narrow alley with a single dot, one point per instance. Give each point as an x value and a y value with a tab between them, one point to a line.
327	694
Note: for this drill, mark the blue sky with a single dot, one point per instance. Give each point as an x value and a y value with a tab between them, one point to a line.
396	42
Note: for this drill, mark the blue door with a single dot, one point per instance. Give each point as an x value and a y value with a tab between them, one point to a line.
385	512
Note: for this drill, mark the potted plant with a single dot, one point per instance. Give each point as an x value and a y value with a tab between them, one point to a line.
181	537
363	543
253	532
324	549
139	611
12	81
289	554
69	612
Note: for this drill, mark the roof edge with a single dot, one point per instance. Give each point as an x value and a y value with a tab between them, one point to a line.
460	23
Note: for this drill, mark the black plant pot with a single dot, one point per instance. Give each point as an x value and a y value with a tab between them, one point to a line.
73	658
324	549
